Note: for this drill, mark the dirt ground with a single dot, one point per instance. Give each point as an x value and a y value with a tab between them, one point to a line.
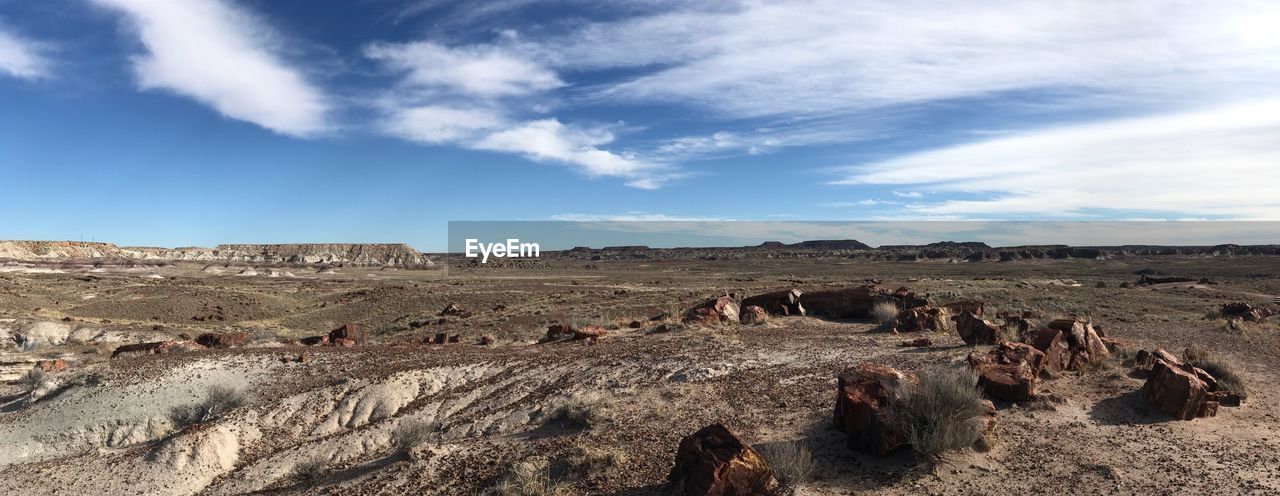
327	425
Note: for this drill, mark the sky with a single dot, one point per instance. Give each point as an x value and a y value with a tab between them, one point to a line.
198	122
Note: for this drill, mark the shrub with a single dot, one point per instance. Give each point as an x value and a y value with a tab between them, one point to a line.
885	312
411	433
792	463
580	411
309	468
1228	378
218	401
34	379
943	413
585	462
530	478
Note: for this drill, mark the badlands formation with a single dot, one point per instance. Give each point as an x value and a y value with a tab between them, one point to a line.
823	369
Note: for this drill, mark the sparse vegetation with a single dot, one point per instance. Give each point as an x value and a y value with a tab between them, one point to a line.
586	461
1196	353
580	411
33	381
309	469
792	463
218	401
943	413
885	312
530	478
410	434
1229	379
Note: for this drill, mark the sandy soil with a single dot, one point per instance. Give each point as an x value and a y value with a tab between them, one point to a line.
106	429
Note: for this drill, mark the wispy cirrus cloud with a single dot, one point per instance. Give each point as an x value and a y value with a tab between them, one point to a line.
223	56
1217	162
23	58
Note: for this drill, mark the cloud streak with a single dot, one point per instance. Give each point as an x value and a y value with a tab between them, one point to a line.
222	56
1217	162
22	58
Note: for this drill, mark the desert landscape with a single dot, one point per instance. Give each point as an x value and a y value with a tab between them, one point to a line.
816	368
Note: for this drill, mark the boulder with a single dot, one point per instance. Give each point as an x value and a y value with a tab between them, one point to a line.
847	303
314	341
866	397
1244	311
349	332
754	314
558	331
223	340
714	311
590	332
1178	389
1084	342
784	303
1057	355
923	319
1009	371
56	365
974	330
716	462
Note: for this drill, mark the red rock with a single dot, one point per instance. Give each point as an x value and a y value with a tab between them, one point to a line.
922	319
487	340
223	340
784	303
589	332
972	306
558	331
315	341
1013	382
974	330
716	462
754	314
351	332
1244	311
714	311
1083	341
451	309
917	343
55	365
1176	389
1057	356
846	303
456	338
157	347
866	397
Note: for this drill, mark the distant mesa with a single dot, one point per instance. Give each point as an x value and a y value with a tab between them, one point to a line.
345	254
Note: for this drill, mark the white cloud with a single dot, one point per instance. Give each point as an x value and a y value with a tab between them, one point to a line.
440	125
481	70
22	58
550	140
223	57
1221	162
907	194
803	57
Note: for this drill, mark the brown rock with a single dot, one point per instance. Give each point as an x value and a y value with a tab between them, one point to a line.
1009	371
1057	356
715	311
350	332
635	324
1177	390
558	331
487	340
1244	311
55	365
754	314
784	303
866	397
315	341
923	319
223	340
715	462
974	330
589	332
451	309
1084	342
917	343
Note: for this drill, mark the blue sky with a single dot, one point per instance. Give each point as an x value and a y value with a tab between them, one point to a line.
195	122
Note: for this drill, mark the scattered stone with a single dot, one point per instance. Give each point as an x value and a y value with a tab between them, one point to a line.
974	330
715	461
223	340
590	332
55	365
558	331
714	311
923	319
454	310
866	397
157	347
784	303
487	340
348	333
635	324
1244	311
972	306
917	343
754	314
1147	280
1050	342
315	341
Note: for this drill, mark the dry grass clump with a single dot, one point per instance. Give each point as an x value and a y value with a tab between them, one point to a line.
586	462
943	413
1229	379
530	478
792	463
218	401
410	434
580	411
309	469
885	312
